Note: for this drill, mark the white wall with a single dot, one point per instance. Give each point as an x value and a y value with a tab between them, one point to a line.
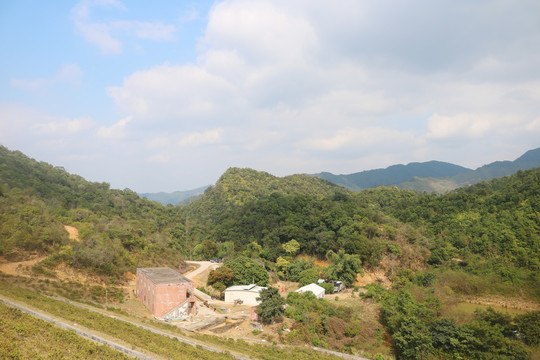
248	297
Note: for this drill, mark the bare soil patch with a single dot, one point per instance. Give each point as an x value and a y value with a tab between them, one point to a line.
19	267
73	232
373	277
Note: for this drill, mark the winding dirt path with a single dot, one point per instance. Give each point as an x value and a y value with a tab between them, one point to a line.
17	268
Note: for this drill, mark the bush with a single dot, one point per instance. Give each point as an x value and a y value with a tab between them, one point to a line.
328	287
271	306
528	327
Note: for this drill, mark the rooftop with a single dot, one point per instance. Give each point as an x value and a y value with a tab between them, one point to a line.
311	287
251	287
163	275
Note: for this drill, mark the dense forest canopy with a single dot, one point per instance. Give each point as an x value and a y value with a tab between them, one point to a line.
494	224
491	226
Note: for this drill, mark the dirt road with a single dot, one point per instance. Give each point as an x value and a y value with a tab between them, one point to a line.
16	268
200	275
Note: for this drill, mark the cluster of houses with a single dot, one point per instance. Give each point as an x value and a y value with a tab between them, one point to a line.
171	296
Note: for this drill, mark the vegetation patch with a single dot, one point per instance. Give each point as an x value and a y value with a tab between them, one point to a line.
26	337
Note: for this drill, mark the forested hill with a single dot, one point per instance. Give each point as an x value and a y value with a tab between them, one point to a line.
492	225
117	229
433	249
488	225
238	187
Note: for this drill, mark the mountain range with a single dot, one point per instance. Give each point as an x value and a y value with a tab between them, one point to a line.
175	198
431	176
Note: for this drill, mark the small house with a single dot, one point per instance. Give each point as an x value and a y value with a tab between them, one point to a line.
167	294
317	290
243	294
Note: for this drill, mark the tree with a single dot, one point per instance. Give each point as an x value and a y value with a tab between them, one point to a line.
209	249
253	250
412	339
220	277
528	326
291	247
296	268
282	264
328	287
247	271
271	306
344	267
308	276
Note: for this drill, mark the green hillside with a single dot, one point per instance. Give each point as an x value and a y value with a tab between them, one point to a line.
436	251
237	188
492	226
118	230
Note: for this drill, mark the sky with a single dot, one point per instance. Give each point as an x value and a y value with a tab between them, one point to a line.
166	96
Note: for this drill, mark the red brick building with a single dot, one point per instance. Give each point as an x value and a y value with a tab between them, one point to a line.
167	294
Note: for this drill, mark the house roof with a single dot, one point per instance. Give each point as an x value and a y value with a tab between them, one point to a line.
314	288
251	288
163	275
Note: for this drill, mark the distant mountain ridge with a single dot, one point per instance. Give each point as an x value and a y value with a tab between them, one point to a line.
394	174
175	198
432	176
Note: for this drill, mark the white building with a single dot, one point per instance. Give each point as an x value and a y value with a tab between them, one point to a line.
317	290
248	294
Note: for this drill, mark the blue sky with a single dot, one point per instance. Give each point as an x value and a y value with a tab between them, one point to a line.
167	97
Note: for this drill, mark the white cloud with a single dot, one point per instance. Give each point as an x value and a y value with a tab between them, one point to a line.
68	127
107	36
362	138
160	158
299	86
534	126
263	32
174	93
116	131
201	138
462	125
69	74
158	142
335	80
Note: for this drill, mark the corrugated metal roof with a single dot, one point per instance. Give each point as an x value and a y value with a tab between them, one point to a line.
163	275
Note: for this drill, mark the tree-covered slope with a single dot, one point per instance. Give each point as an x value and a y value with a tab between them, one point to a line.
248	209
239	187
494	224
117	229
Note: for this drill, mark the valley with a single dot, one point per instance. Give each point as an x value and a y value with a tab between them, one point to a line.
444	276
